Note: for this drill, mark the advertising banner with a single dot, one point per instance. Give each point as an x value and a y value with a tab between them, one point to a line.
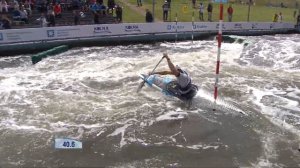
103	30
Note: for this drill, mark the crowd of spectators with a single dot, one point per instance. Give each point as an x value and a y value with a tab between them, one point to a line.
48	12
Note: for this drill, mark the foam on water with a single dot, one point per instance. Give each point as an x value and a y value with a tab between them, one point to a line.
267	52
275	111
172	116
64	73
121	131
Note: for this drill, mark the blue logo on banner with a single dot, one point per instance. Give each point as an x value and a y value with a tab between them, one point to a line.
199	26
50	33
173	27
219	1
1	36
132	28
238	26
102	29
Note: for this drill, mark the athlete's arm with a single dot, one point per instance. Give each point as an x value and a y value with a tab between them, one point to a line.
163	73
171	66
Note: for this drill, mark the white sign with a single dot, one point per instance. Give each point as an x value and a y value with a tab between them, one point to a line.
103	30
66	143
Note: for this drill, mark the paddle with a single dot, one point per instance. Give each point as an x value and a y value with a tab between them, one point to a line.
144	80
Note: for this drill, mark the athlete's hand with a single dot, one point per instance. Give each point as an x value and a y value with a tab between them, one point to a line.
165	55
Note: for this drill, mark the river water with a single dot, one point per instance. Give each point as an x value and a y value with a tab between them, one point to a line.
89	94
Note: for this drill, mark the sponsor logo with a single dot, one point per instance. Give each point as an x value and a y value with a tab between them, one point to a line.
174	27
102	29
238	26
223	26
50	33
1	36
199	26
132	28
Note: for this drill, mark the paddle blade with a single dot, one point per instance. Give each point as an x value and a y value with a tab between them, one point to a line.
141	85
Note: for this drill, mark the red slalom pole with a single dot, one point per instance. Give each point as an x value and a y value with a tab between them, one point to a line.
219	51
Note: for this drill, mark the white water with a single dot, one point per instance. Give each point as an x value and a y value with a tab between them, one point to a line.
90	92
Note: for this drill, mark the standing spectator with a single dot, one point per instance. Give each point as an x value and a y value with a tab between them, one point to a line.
76	17
3	5
139	2
295	13
95	7
49	8
5	22
298	20
165	10
51	18
102	10
23	15
110	6
149	16
169	5
209	11
201	11
27	7
275	18
57	10
119	12
42	20
16	5
280	17
230	12
194	3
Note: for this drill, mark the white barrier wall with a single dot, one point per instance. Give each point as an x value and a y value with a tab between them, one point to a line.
92	31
